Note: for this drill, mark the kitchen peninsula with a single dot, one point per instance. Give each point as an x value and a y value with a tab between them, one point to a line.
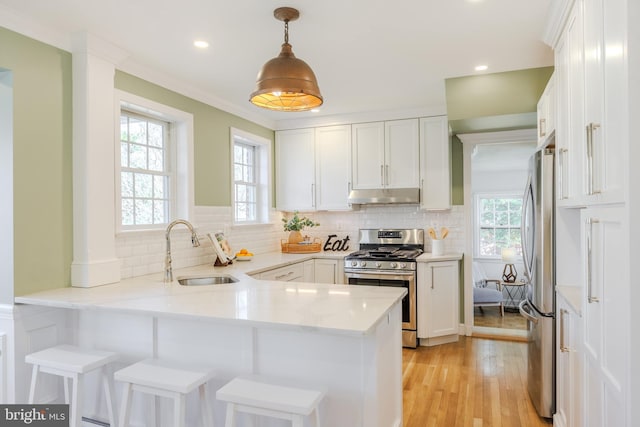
346	339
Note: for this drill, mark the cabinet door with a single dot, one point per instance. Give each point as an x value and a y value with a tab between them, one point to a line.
333	167
326	271
569	390
605	98
606	315
289	273
295	175
435	163
367	155
438	312
309	269
571	137
402	159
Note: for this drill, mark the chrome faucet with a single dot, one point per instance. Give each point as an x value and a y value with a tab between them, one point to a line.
168	270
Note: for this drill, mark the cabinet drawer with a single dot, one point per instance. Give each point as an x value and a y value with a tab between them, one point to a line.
284	274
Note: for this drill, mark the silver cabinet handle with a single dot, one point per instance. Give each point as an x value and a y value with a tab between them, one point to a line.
386	174
432	279
563	346
313	195
382	175
589	232
282	276
591	190
561	171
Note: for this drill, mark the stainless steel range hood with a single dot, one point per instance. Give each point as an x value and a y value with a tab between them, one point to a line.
385	196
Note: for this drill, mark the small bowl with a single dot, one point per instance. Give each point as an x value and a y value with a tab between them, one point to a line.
244	258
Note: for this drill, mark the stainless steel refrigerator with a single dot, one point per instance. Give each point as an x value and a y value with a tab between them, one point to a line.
539	264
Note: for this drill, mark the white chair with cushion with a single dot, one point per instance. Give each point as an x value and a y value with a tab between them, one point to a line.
483	295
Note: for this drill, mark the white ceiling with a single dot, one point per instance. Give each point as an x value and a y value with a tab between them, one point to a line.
370	56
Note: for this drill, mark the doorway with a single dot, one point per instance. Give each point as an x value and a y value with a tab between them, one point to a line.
496	171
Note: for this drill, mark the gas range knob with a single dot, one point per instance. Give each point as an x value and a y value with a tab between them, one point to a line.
354	263
393	265
403	265
363	264
378	264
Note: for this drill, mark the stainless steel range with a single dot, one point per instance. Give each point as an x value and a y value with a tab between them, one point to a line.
388	258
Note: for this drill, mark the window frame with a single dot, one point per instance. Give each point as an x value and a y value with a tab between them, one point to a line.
263	175
169	169
180	154
476	220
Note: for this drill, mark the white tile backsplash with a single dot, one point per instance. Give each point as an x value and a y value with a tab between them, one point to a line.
143	252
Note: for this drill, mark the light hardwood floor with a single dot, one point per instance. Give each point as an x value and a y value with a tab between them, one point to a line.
475	382
490	317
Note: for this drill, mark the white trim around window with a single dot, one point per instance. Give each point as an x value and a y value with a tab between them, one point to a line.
181	135
263	173
476	217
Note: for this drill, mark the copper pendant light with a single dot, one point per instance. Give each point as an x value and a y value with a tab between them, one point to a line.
286	83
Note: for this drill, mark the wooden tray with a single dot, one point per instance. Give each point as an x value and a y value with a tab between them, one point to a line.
297	248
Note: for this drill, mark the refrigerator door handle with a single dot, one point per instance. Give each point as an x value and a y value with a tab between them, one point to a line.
526	314
523	230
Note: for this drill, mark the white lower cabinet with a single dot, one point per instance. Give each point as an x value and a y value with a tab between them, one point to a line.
327	271
309	271
606	316
438	301
569	389
289	273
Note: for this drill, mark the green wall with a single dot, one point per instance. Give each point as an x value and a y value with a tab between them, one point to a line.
43	199
42	162
211	138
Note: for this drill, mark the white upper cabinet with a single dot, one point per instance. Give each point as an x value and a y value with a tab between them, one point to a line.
367	150
402	168
435	163
385	154
313	168
591	70
605	99
333	167
570	135
295	170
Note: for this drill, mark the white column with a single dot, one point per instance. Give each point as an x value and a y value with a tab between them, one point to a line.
6	188
94	256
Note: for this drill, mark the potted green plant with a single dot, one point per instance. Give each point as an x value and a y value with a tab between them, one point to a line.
295	225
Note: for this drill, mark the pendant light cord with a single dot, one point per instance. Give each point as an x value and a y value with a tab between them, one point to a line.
286	31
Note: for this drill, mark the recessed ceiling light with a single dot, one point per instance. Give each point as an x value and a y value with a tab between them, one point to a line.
481	67
201	44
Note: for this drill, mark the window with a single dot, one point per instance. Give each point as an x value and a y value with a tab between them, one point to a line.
145	174
251	160
154	164
498	220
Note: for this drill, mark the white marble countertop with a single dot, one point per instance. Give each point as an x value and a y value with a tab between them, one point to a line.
449	256
342	309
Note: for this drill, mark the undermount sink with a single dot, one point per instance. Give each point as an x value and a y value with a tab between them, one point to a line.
207	280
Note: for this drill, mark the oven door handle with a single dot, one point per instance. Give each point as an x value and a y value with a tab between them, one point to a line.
377	274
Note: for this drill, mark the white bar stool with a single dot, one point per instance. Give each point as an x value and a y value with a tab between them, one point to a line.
72	363
256	395
159	378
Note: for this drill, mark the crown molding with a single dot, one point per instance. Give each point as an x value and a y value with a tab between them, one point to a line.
503	137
